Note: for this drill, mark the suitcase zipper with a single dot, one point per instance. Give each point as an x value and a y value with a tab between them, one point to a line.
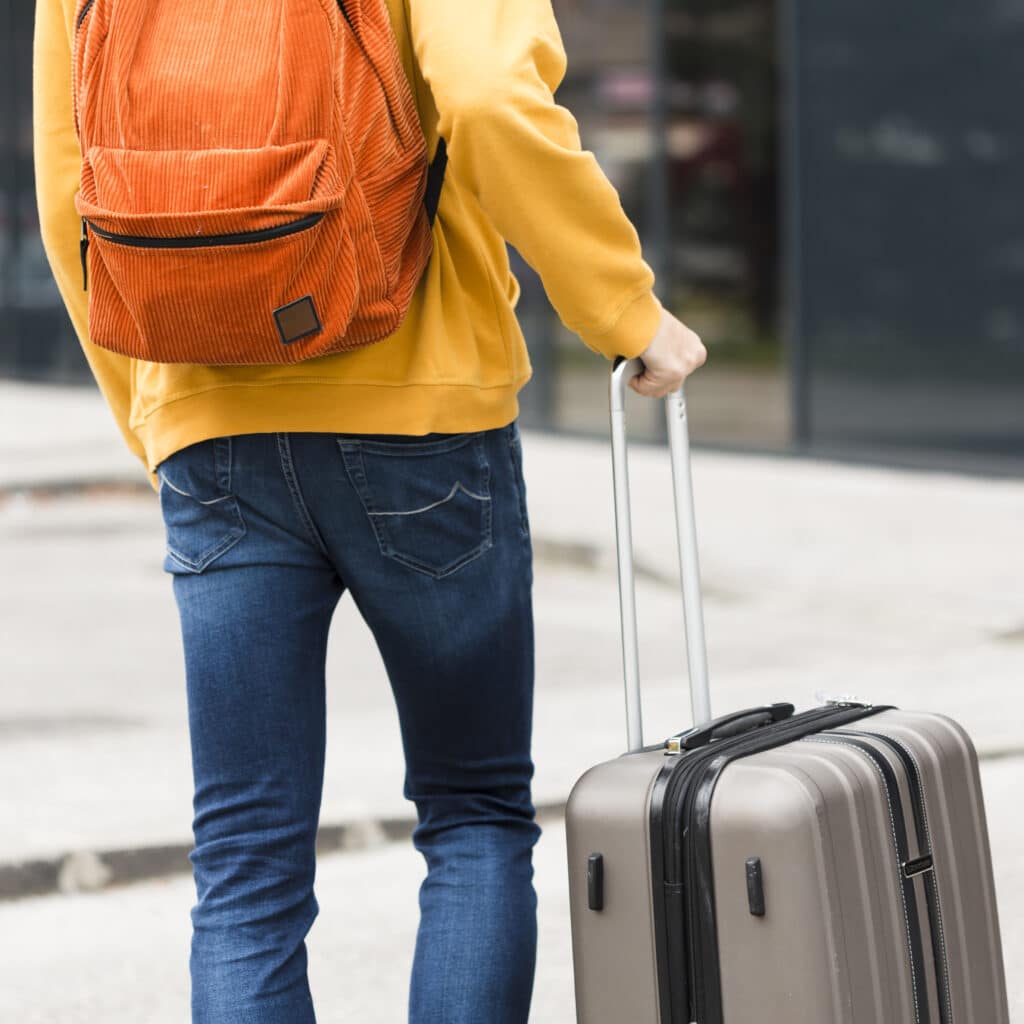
688	971
922	866
901	847
707	993
291	227
671	844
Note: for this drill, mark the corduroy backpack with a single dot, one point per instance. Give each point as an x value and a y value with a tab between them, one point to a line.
255	185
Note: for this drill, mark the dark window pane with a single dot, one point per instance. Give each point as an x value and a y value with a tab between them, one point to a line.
911	227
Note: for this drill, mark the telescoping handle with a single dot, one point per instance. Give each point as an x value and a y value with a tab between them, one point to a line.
686	533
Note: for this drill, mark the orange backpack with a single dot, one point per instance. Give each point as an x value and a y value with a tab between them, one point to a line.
255	185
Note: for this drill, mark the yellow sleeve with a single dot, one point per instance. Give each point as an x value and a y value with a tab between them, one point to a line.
493	67
57	168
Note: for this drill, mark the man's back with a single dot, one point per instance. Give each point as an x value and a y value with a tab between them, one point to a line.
483	77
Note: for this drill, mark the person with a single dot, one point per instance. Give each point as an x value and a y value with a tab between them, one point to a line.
392	471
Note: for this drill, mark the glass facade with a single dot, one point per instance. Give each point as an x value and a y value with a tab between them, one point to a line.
907	216
708	219
828	194
36	339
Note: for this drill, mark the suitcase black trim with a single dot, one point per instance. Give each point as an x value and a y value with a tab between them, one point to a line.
901	849
686	939
923	868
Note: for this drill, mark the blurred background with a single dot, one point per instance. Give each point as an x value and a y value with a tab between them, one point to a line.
829	194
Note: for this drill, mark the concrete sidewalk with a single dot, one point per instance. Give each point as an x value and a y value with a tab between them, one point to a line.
52	436
123	952
900	587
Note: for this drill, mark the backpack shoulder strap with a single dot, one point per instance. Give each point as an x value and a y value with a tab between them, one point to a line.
435	179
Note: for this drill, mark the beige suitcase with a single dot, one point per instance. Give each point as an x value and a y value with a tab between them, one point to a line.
829	867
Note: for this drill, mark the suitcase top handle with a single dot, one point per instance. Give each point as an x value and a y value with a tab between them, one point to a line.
735	724
623	371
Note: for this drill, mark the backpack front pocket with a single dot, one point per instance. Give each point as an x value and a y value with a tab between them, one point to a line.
209	281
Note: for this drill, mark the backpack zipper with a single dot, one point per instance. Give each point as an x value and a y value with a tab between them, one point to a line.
86	7
190	241
83	248
79	21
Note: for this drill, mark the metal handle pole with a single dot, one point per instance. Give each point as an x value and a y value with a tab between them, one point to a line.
686	536
689	562
624	550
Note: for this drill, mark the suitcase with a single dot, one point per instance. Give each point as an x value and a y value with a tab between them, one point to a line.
827	867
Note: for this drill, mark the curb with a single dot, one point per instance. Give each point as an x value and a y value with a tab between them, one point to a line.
555	551
93	871
87	486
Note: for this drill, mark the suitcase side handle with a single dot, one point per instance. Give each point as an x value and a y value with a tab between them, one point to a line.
734	724
624	370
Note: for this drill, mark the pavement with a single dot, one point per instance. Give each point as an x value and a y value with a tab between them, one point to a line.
902	587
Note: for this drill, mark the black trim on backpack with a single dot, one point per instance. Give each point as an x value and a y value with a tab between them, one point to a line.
290	227
435	179
86	7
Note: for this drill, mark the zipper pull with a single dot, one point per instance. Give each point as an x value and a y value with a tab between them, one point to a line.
83	248
842	700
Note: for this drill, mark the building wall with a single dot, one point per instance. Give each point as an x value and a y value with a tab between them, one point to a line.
36	340
845	222
907	227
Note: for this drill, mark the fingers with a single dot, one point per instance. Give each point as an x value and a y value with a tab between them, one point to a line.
668	372
672	355
650	388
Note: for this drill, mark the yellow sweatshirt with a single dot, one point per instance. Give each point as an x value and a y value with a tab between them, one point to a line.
483	74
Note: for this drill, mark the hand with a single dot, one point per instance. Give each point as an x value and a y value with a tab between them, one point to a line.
673	354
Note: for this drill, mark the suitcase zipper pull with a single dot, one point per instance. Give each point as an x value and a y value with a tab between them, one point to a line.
843	700
83	248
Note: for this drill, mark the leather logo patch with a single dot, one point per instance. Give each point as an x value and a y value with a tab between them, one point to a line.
297	320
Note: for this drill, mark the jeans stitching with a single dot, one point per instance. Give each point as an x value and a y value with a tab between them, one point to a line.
236	533
439	574
352	456
486	542
457	486
284	451
485	468
236	530
399	449
524	524
185	494
222	463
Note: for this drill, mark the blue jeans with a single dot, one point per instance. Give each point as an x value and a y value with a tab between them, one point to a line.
431	537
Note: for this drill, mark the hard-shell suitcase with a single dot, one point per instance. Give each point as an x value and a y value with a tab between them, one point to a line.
829	867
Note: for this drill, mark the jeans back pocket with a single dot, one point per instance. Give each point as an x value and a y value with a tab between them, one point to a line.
428	501
201	514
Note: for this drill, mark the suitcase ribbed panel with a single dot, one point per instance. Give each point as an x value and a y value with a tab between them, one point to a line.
833	945
927	962
948	765
832	819
614	957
